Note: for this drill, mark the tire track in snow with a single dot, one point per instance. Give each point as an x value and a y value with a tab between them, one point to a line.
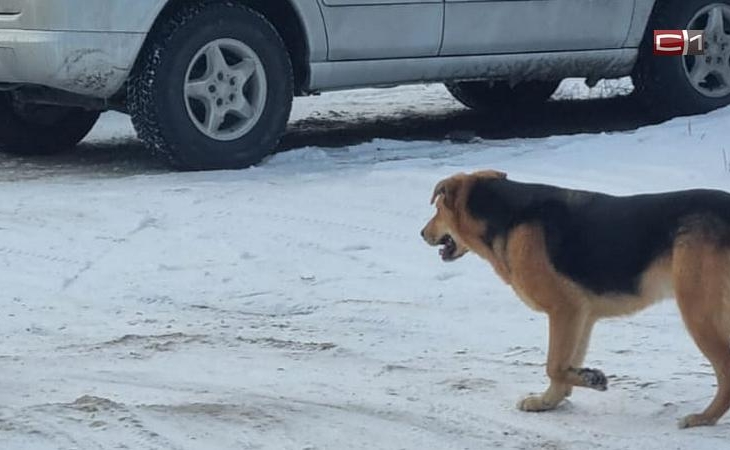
356	229
14	251
148	221
99	423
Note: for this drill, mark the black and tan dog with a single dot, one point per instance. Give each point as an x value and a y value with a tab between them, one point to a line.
580	256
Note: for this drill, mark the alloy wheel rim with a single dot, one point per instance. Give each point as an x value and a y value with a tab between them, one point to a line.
709	74
225	89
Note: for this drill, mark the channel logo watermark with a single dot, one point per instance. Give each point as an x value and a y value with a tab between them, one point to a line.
679	42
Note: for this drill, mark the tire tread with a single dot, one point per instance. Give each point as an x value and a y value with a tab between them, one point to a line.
144	111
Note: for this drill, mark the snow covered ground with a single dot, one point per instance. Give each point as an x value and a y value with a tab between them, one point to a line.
294	305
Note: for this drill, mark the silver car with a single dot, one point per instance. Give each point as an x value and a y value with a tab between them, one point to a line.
209	83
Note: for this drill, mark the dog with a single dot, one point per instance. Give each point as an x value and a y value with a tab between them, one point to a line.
580	256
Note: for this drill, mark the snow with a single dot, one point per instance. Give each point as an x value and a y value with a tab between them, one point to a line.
294	305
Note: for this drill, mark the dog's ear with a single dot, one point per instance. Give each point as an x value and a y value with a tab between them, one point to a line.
449	189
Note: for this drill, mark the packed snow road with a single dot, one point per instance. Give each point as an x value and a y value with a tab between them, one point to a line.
294	305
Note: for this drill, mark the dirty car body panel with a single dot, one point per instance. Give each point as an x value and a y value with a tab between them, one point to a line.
534	26
89	47
82	46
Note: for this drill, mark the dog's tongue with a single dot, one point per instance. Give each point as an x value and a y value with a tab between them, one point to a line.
444	253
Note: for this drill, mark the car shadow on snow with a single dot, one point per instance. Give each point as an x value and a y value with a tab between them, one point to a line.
125	155
118	157
563	117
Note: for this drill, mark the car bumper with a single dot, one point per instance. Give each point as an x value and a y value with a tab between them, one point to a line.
87	63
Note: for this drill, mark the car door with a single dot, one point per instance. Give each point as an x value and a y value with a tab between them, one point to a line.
381	29
513	26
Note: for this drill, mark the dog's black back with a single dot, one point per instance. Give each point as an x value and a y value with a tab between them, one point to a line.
601	241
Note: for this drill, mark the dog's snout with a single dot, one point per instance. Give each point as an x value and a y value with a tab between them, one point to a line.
426	235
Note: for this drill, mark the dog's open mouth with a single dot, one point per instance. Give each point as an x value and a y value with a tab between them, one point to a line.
448	251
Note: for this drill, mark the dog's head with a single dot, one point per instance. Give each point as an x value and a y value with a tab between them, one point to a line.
450	197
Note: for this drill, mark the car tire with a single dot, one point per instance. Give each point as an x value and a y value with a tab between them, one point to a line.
31	129
213	87
675	85
486	95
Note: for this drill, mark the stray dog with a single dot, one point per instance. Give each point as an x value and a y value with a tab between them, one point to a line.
580	256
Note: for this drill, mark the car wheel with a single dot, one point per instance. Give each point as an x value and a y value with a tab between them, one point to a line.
675	85
485	95
213	87
33	129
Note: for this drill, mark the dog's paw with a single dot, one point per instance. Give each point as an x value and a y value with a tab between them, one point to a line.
594	379
534	403
695	420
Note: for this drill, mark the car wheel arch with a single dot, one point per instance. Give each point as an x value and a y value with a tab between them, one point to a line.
284	15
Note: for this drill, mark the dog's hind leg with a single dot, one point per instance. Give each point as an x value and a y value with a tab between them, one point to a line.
716	347
568	328
701	283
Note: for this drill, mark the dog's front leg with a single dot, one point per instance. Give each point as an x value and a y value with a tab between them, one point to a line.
567	330
582	349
